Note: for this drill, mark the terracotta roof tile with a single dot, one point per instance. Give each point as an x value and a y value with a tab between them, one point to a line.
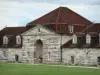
63	28
11	33
61	15
59	19
93	28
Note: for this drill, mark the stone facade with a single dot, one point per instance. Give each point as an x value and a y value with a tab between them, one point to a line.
8	54
83	56
51	52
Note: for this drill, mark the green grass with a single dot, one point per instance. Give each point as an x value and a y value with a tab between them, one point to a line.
26	69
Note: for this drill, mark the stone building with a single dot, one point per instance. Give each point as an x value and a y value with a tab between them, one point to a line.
59	37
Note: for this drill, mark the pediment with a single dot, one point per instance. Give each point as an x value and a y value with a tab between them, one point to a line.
39	29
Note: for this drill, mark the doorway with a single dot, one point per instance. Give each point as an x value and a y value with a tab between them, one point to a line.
38	52
72	59
98	58
16	58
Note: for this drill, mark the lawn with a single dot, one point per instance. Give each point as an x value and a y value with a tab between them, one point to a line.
29	69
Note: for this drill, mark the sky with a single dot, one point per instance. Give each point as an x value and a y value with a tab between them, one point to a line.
20	12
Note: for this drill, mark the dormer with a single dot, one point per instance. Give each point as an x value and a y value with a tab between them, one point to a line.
71	28
18	39
5	40
88	39
74	39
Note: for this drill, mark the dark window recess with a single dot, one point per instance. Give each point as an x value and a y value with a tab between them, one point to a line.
49	54
16	58
38	30
28	40
72	59
98	60
34	54
28	54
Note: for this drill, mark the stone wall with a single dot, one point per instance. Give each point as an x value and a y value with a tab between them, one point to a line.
81	56
51	44
66	38
51	47
8	54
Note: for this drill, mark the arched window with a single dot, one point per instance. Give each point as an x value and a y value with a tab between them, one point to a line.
18	39
88	39
5	40
74	40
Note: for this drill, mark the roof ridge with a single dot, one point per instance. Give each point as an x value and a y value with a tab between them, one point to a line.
58	15
43	15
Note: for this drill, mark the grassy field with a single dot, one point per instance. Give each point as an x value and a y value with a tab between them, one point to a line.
26	69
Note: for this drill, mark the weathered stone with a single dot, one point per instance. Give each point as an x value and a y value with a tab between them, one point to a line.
50	51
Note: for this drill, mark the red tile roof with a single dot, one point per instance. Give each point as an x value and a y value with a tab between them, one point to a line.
61	15
93	28
12	31
57	20
63	28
